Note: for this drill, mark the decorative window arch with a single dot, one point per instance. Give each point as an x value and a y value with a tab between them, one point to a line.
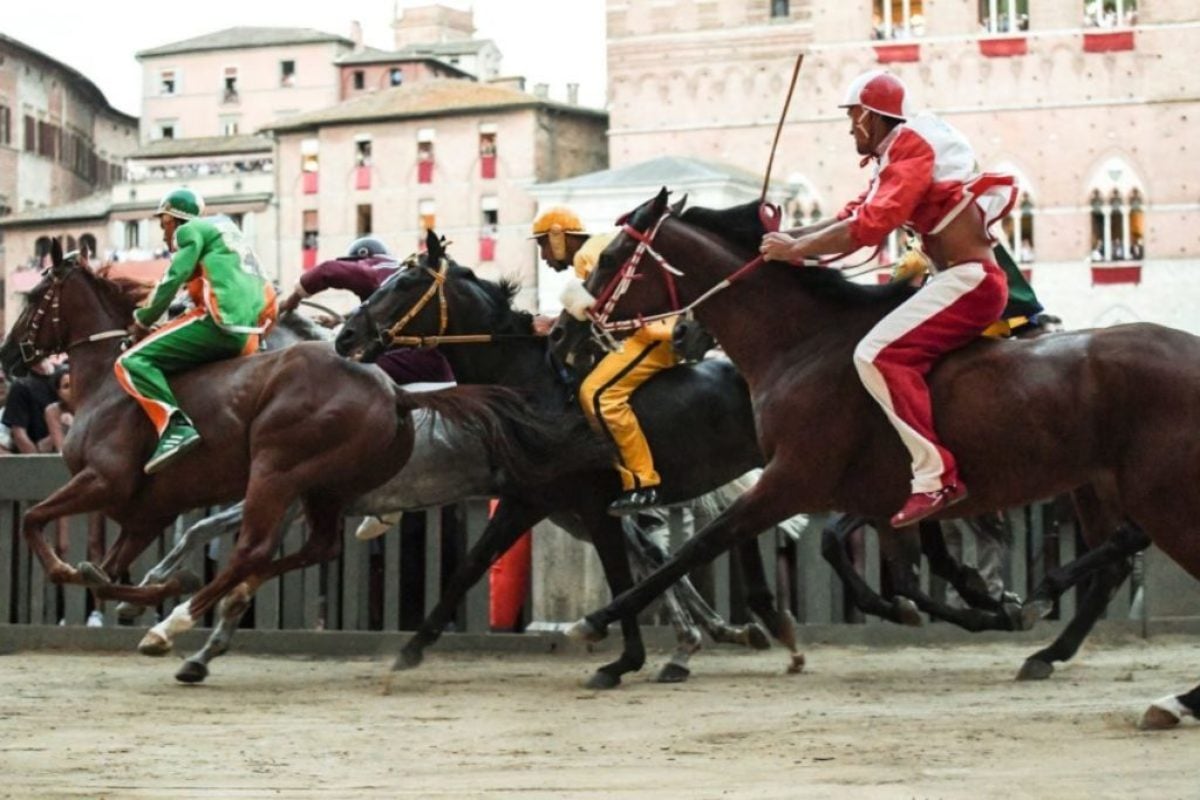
802	206
1117	200
1018	225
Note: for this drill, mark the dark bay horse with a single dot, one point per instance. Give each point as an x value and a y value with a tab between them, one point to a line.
1117	408
675	406
256	416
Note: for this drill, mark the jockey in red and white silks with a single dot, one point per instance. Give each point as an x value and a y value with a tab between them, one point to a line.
924	178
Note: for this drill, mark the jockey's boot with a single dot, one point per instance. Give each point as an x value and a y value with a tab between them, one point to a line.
925	504
633	501
177	439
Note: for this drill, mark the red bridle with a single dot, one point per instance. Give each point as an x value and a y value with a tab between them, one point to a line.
618	285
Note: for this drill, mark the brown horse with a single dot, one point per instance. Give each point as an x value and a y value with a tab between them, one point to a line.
1117	408
294	424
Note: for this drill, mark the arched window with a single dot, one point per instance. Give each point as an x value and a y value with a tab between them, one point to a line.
1117	204
1018	229
897	19
801	207
88	242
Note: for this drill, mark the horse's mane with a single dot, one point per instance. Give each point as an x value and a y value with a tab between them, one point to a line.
741	227
505	318
121	296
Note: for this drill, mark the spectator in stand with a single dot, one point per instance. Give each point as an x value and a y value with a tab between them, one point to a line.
25	411
1136	250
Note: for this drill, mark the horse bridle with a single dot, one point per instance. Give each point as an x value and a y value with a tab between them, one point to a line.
393	336
603	327
30	352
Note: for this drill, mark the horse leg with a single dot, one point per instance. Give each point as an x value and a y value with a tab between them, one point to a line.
510	520
86	491
760	507
901	550
1169	711
833	547
267	499
967	581
204	531
761	601
609	541
1126	542
316	549
687	635
230	610
1100	589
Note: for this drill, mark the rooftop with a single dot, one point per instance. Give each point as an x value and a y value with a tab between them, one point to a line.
94	206
674	171
429	98
204	146
244	37
84	84
373	55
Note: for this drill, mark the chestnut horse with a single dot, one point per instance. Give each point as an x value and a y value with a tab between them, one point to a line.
1117	408
295	424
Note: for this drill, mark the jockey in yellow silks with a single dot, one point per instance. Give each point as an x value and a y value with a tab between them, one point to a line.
605	392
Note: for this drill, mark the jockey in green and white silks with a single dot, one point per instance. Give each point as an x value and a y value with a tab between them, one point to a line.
234	306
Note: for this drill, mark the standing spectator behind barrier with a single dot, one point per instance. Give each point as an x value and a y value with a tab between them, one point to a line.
25	411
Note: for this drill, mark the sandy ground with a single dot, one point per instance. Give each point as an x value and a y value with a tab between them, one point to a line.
902	723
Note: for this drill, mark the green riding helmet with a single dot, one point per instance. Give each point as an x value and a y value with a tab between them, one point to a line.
182	204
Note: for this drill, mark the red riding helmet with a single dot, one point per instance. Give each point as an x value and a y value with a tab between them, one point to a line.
878	91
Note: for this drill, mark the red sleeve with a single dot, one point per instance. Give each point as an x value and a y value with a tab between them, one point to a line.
906	176
851	207
356	276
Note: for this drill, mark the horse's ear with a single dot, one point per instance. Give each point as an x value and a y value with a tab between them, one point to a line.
433	246
660	202
677	206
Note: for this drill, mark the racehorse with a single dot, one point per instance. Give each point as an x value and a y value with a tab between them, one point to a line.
448	464
1116	408
255	415
674	407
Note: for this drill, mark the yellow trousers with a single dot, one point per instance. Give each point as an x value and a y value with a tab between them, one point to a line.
605	397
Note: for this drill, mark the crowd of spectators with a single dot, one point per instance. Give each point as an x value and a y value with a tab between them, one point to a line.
200	169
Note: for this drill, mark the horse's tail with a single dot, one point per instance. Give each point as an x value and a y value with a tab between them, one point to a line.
530	446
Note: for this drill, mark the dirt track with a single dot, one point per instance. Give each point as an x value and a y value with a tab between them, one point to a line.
916	722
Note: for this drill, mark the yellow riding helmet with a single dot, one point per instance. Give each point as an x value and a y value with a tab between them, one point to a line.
557	222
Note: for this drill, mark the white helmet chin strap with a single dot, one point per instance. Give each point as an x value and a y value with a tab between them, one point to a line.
858	123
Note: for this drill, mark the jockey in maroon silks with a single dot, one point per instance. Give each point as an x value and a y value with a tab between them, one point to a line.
925	177
363	270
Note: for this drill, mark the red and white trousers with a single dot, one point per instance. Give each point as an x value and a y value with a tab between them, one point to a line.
951	309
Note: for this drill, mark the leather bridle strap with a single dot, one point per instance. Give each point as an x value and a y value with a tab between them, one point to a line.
436	289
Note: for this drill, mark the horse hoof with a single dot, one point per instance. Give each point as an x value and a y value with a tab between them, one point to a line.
188	581
1158	718
92	575
1034	669
128	612
757	638
192	672
672	673
1034	612
585	631
408	659
797	665
603	680
908	614
153	645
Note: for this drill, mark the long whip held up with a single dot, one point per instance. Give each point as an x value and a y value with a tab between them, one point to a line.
779	127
